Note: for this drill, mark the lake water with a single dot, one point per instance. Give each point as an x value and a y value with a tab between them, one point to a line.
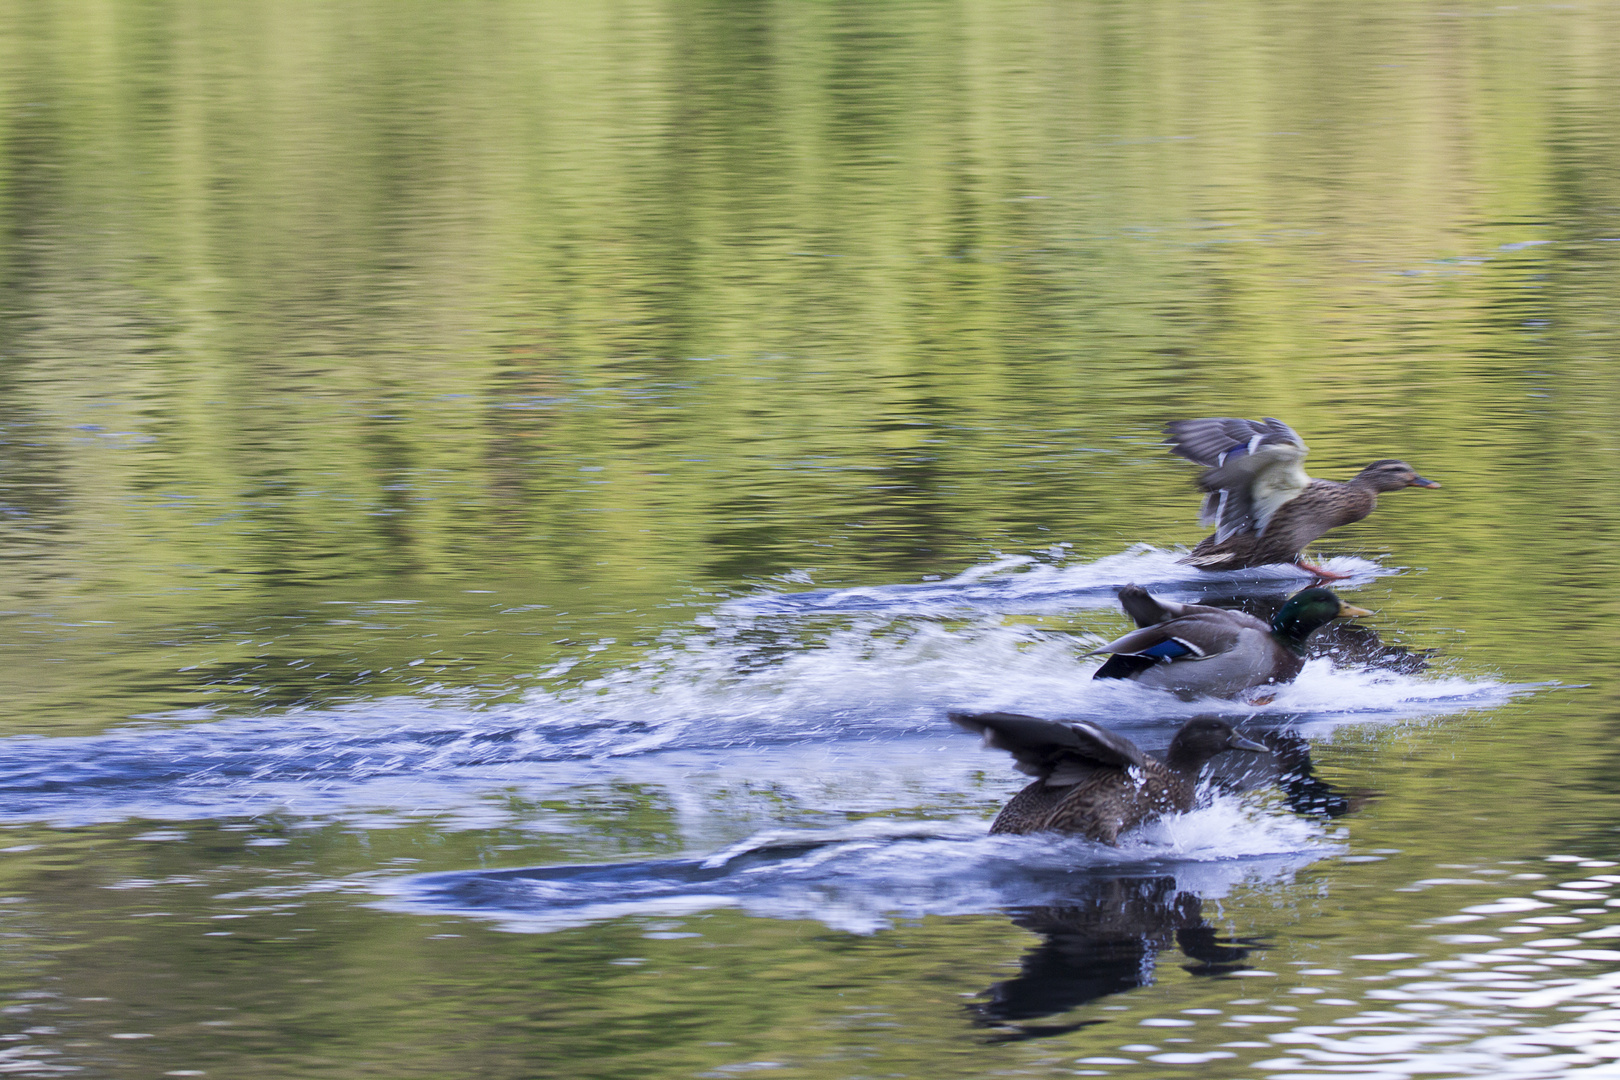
496	502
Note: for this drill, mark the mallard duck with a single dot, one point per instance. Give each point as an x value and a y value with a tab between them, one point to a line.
1193	649
1092	782
1256	494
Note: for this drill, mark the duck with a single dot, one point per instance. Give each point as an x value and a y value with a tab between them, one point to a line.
1264	507
1194	649
1093	782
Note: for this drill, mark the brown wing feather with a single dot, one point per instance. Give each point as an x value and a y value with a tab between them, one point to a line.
1324	505
1210	630
1101	807
1042	747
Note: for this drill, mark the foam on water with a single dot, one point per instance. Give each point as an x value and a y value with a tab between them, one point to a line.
867	685
745	694
1325	695
860	878
1024	583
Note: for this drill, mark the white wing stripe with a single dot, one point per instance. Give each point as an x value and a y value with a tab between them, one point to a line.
1200	653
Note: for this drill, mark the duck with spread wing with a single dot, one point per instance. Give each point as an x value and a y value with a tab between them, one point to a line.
1264	507
1094	782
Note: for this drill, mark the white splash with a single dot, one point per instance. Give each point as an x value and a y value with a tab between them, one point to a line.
861	878
1326	695
1024	583
713	717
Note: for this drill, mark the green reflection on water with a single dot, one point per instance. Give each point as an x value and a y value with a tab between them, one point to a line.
564	321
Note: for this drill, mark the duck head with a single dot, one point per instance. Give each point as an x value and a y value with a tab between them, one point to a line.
1308	611
1389	474
1200	739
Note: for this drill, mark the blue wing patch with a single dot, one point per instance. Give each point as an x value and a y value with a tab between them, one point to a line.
1169	649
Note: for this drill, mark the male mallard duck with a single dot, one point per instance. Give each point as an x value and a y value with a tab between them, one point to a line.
1263	506
1194	649
1092	782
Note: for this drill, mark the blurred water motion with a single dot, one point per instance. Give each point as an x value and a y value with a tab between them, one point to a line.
442	447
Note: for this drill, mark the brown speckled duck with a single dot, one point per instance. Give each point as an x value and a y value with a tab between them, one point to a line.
1092	782
1256	494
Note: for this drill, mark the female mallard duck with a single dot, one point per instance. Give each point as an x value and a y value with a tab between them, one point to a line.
1263	506
1092	782
1193	649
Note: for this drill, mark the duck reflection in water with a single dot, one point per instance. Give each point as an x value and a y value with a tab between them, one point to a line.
1287	767
1105	941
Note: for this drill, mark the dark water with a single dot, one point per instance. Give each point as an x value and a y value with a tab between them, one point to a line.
496	502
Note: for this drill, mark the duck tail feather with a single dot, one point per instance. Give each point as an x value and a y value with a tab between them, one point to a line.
1124	666
1144	608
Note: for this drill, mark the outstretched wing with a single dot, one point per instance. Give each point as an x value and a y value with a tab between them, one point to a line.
1253	469
1210	439
1042	748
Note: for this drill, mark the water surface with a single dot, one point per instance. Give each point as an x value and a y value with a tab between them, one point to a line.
496	504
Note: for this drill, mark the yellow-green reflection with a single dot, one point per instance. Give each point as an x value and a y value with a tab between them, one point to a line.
561	320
